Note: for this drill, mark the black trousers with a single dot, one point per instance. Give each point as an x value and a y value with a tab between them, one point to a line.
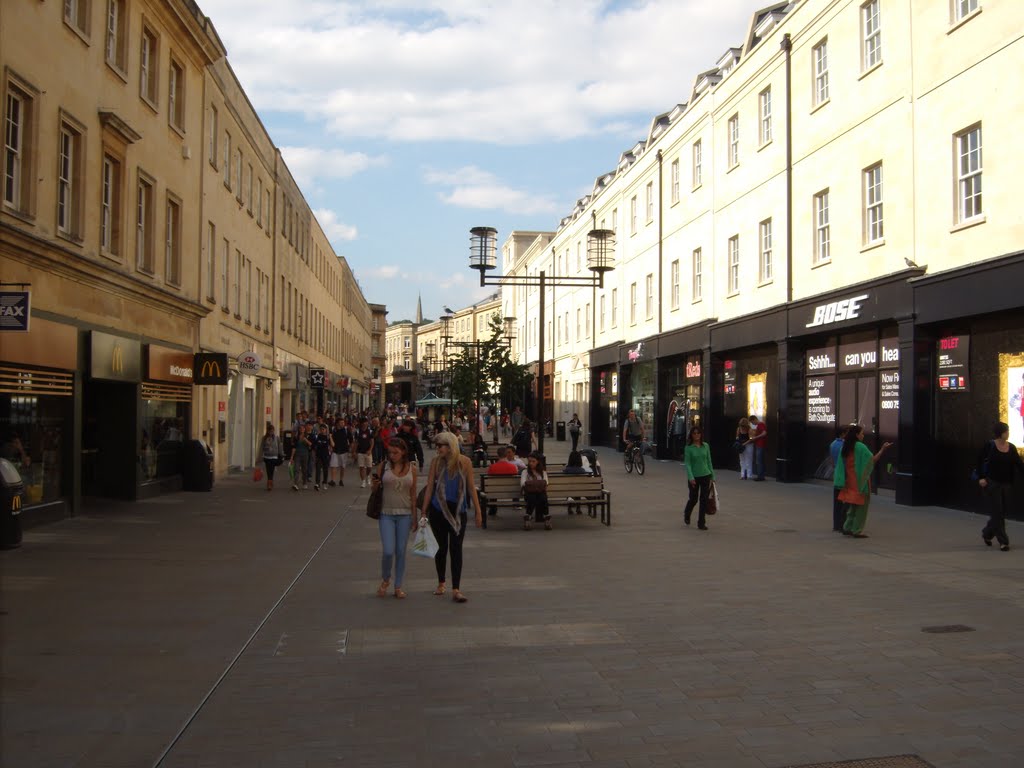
537	506
838	510
575	439
701	487
323	468
448	541
998	496
271	464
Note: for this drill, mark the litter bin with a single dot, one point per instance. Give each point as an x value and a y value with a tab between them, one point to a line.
560	431
197	466
11	490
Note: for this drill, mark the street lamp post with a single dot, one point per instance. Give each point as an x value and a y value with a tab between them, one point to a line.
483	248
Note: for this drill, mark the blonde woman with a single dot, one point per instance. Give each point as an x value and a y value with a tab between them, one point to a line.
448	494
745	450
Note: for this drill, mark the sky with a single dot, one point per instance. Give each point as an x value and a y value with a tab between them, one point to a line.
407	123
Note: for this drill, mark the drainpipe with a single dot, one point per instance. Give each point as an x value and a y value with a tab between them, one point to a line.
661	237
787	46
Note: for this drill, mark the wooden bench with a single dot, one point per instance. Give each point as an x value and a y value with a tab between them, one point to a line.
505	492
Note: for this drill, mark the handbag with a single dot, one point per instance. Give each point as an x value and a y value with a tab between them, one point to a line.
535	486
375	503
739	447
713	499
423	543
257	475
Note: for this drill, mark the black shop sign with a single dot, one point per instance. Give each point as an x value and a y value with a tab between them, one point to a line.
953	355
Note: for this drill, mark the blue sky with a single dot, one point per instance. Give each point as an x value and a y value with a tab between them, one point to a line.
406	123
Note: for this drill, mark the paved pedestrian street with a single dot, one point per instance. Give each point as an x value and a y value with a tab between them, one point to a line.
241	628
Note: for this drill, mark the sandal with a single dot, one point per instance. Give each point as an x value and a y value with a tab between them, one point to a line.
458	597
440	589
400	593
382	590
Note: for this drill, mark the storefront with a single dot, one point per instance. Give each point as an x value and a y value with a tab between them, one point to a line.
165	417
37	397
638	379
969	369
685	356
604	397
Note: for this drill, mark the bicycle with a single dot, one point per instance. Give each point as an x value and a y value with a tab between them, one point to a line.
634	457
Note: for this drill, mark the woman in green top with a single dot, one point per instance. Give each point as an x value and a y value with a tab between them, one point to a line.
697	458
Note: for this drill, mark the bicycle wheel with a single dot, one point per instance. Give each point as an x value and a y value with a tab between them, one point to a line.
639	461
627	457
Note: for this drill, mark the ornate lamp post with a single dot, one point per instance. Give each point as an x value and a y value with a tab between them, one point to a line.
483	248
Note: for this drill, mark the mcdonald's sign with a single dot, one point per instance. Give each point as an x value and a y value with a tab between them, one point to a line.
210	368
16	504
115	358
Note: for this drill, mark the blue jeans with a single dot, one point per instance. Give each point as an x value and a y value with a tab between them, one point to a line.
759	462
394	535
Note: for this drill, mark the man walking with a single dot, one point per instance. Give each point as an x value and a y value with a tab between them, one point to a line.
363	450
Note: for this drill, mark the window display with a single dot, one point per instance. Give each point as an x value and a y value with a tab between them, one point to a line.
32	434
164	431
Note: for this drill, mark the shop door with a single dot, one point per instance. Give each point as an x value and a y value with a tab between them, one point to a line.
111	446
858	404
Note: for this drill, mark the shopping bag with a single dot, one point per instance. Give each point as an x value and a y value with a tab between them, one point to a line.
423	543
291	472
257	475
713	499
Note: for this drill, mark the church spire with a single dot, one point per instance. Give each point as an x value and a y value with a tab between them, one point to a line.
419	309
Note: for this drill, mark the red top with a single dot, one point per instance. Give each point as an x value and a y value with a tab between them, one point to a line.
760	436
503	468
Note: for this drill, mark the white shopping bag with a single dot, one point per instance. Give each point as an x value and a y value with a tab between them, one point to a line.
423	543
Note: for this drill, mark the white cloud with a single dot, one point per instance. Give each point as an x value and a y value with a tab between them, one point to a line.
459	69
334	229
309	164
472	187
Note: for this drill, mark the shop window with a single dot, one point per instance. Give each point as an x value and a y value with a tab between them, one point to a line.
32	437
164	431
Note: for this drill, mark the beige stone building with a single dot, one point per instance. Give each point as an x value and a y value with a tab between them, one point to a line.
804	237
378	359
149	216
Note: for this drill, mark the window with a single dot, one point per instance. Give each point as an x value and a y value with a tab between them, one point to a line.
238	174
632	304
968	150
69	181
579	334
214	132
227	160
248	291
649	295
764	262
149	67
697	163
259	202
270	218
76	15
764	100
579	257
615	220
259	297
172	245
248	188
963	8
586	321
820	56
632	216
734	264
115	40
650	201
19	136
239	274
225	273
734	141
822	238
176	95
110	206
674	279
698	275
615	307
144	224
873	230
600	311
871	25
675	181
211	263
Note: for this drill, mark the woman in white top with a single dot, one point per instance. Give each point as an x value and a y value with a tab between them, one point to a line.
396	516
534	482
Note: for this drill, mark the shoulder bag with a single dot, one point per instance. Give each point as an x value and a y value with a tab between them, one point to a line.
375	503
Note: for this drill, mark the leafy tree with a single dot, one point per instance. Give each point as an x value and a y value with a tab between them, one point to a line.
500	377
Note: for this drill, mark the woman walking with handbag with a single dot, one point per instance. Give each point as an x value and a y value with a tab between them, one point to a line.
534	482
700	474
397	478
997	464
273	455
448	494
575	428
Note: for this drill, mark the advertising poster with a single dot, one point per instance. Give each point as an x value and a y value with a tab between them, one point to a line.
757	394
953	355
821	400
889	403
730	377
1011	401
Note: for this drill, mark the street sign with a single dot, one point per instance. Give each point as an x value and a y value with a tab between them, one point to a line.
15	310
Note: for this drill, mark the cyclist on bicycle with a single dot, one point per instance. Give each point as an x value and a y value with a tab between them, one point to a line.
633	431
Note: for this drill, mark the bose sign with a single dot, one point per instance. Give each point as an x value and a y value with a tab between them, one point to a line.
837	311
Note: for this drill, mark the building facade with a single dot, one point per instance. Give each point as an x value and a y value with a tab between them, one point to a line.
805	239
150	217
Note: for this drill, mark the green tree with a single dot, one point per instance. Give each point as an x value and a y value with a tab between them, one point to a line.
489	365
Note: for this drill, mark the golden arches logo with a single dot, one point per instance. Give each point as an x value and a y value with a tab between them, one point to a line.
211	368
117	359
16	504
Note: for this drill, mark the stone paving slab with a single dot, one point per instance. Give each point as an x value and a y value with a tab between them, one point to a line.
766	641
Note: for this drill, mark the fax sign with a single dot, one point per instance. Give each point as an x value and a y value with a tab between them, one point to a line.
14	310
